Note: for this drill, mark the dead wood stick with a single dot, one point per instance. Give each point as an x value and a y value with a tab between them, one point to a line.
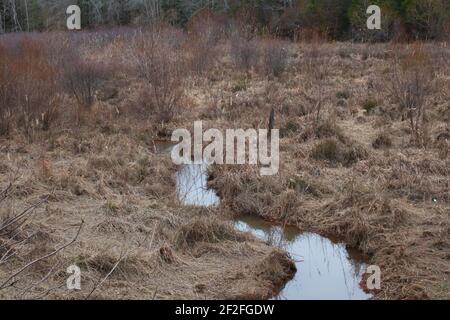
4	284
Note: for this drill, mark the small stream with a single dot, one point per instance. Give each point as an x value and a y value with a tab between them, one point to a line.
326	269
192	186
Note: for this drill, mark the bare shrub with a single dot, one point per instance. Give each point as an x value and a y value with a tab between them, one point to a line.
274	57
28	86
6	92
82	79
39	89
244	52
316	66
161	65
201	56
410	85
205	31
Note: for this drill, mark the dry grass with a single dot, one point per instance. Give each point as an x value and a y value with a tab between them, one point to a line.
137	241
390	198
348	170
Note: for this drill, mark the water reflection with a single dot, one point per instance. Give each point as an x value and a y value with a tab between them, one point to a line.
325	270
192	186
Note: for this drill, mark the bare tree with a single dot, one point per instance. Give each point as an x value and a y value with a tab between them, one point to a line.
152	8
14	17
27	16
2	19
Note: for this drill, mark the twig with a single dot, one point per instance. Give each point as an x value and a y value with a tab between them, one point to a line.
6	255
34	285
4	284
23	214
121	258
47	292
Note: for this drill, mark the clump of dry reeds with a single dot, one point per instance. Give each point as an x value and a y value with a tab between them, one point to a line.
334	151
383	141
205	231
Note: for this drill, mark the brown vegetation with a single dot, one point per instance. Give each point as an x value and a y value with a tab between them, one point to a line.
348	167
28	84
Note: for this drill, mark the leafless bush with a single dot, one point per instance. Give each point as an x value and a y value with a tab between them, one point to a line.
28	86
201	55
82	79
411	84
6	93
316	66
244	52
161	65
80	76
274	58
316	59
205	31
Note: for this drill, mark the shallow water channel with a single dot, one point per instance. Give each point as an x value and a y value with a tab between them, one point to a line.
326	269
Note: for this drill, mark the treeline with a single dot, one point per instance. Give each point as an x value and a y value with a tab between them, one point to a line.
335	19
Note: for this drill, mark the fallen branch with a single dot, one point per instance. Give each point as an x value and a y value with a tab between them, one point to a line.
5	283
22	215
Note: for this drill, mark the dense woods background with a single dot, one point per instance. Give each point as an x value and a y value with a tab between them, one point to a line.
335	19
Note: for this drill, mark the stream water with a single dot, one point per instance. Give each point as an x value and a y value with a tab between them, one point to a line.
326	269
